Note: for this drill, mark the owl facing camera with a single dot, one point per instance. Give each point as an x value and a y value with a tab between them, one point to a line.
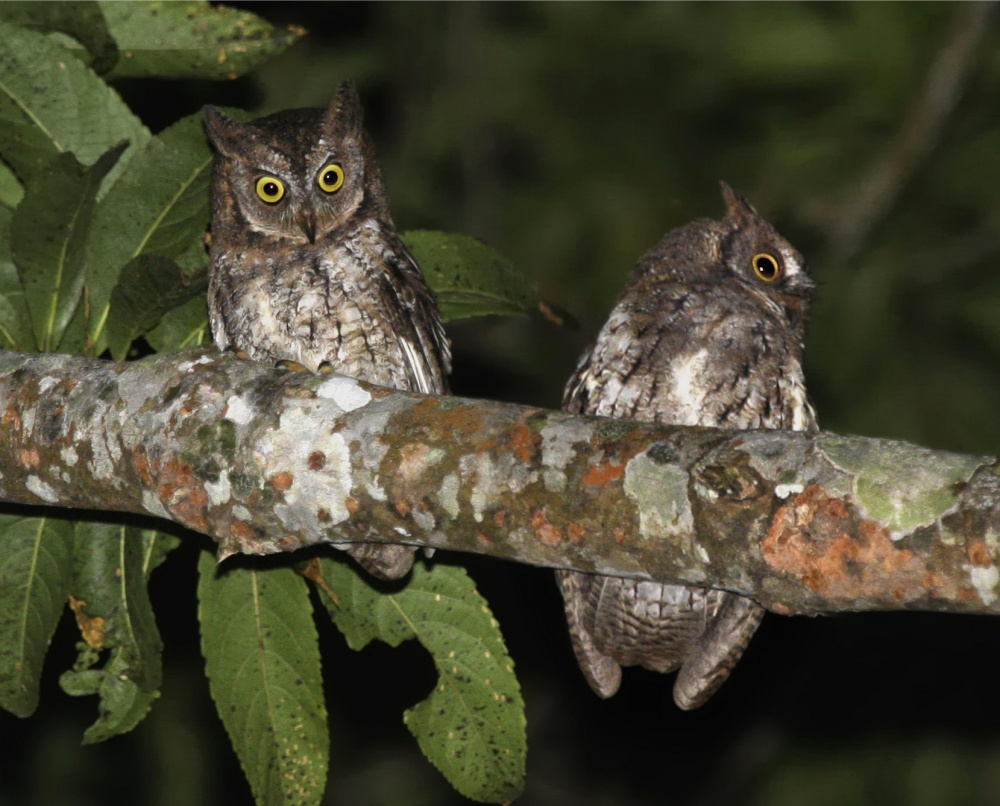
306	265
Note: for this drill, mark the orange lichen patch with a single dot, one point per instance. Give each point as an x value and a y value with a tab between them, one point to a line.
141	463
183	495
282	481
92	628
402	507
575	532
323	515
523	441
463	418
977	551
242	530
620	537
599	475
11	417
317	460
499	518
548	534
29	458
826	544
484	539
353	505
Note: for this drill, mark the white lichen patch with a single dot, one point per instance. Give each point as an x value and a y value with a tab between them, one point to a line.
68	455
660	493
42	489
152	504
47	383
984	580
105	450
187	366
448	494
303	431
370	423
424	520
558	441
219	492
784	490
345	392
399	530
242	513
485	487
238	410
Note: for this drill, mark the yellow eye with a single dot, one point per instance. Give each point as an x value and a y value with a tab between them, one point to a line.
270	189
331	178
766	267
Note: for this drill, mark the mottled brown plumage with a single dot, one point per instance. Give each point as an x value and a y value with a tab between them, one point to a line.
702	334
307	266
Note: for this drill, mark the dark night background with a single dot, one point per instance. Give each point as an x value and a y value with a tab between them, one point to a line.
570	137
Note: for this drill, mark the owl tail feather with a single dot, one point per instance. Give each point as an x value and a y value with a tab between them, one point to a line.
602	672
718	651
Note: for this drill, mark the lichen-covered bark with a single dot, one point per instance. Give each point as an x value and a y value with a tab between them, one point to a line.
265	460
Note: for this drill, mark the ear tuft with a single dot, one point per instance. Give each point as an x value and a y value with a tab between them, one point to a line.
223	131
736	203
344	112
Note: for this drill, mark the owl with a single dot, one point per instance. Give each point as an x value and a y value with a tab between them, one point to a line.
307	268
707	332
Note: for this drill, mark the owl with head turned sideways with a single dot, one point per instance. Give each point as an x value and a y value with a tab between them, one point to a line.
306	266
707	332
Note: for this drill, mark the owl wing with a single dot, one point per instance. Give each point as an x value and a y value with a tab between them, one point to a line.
425	345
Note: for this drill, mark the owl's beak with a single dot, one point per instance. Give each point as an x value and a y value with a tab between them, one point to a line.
307	223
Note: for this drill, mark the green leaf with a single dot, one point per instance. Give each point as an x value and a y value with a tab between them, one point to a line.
15	325
185	326
112	567
149	286
11	189
35	572
159	206
51	104
472	726
262	658
191	39
50	230
81	20
469	277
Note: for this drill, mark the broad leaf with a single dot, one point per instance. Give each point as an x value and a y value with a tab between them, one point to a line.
149	286
159	206
191	39
472	725
50	231
112	564
51	103
35	571
81	20
15	325
185	326
11	189
262	658
468	277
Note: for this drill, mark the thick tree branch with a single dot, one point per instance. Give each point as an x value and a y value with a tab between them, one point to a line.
265	460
